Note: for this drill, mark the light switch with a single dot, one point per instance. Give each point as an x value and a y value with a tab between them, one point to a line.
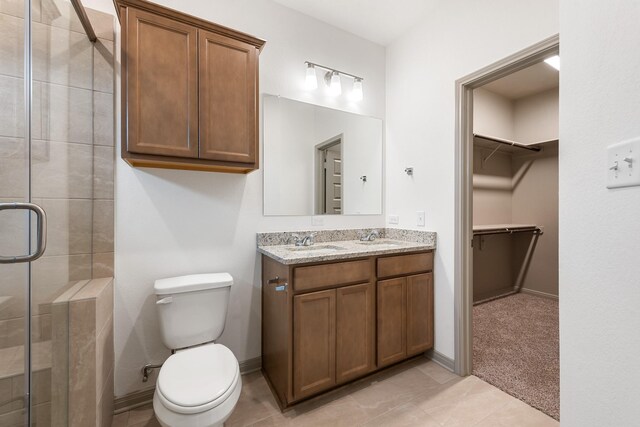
421	219
623	164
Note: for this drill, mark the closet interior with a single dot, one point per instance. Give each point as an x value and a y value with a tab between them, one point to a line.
515	243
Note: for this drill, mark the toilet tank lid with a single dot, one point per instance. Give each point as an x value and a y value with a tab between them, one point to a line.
192	283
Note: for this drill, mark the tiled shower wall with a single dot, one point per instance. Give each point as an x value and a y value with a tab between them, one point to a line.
72	155
72	150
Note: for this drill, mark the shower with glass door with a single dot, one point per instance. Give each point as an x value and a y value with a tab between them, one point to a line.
56	194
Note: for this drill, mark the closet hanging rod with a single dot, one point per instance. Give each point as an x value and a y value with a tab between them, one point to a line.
532	147
508	230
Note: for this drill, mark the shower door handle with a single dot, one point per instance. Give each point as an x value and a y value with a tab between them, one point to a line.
41	237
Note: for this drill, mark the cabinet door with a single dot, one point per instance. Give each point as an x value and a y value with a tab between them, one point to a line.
228	100
419	313
314	338
160	67
392	345
355	325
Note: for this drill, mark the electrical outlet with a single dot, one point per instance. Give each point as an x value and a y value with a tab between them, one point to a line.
421	219
394	219
317	220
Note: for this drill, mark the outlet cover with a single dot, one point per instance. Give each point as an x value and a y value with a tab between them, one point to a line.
421	220
394	219
317	220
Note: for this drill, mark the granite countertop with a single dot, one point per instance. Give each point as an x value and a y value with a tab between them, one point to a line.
342	244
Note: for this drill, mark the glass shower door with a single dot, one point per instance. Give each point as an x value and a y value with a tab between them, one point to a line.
14	223
47	153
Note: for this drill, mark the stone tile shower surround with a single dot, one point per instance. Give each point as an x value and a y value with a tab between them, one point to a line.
72	178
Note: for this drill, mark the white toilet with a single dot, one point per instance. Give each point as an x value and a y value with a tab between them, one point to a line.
198	385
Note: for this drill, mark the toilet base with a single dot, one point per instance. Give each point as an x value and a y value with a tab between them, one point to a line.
214	417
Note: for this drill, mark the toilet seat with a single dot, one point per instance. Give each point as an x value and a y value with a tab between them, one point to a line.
197	379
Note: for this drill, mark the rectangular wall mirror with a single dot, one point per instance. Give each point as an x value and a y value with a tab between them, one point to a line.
320	161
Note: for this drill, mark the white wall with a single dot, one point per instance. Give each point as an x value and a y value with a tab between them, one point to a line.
459	37
493	114
536	117
599	228
178	222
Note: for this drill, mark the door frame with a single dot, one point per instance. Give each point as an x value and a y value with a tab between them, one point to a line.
319	165
463	256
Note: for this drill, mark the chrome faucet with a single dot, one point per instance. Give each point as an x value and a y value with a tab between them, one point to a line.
306	240
370	236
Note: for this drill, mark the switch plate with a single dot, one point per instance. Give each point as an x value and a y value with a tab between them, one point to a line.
623	164
421	219
317	220
394	219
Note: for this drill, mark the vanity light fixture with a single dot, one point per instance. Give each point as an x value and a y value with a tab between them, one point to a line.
311	81
333	80
554	61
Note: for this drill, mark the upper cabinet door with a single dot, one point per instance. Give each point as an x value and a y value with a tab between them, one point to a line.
161	85
228	99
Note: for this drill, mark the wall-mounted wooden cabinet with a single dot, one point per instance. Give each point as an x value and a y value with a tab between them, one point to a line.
325	324
190	91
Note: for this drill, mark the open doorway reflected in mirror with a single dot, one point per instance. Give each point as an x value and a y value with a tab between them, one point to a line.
328	198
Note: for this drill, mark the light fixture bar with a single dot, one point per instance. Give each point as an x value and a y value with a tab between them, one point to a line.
353	76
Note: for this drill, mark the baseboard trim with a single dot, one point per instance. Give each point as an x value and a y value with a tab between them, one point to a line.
251	365
539	294
441	360
143	397
133	400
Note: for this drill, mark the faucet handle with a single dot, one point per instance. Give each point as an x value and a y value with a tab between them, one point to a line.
295	237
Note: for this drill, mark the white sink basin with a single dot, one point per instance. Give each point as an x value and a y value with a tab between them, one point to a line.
326	248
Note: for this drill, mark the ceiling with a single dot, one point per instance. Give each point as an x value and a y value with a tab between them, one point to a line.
534	79
380	21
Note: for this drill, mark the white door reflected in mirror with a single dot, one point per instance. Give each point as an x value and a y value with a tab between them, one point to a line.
320	161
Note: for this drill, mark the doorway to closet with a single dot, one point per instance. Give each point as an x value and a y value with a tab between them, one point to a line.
515	235
506	243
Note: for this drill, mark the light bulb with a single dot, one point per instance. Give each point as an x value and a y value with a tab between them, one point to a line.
335	88
311	81
554	61
356	93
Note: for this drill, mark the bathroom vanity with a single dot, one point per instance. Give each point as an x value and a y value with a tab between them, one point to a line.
338	310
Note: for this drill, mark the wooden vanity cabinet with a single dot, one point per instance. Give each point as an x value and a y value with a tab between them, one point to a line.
333	338
325	324
190	91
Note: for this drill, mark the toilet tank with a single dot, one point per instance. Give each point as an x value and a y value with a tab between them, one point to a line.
192	309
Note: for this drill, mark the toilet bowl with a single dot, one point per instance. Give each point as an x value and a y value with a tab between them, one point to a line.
200	383
197	387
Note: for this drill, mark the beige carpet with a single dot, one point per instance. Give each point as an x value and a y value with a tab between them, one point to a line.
516	348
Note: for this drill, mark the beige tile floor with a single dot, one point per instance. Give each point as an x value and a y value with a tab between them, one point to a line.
417	393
